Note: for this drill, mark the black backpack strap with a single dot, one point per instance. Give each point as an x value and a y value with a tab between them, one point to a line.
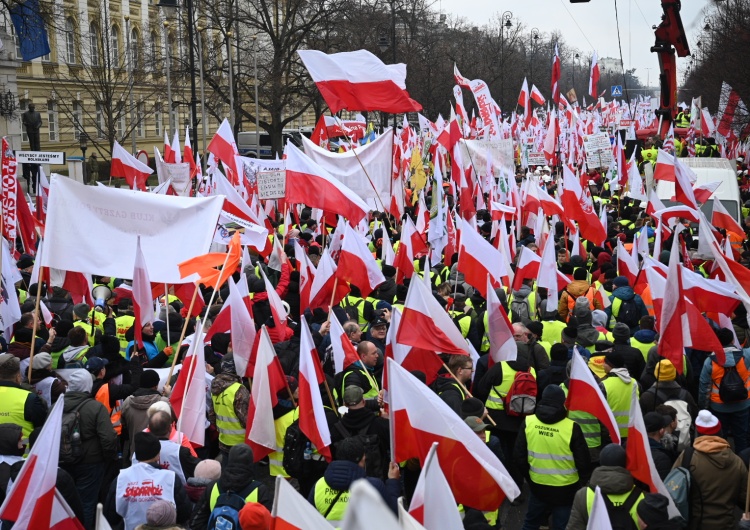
333	503
687	457
632	499
342	430
249	489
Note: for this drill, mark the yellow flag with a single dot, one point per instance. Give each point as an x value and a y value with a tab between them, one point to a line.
418	177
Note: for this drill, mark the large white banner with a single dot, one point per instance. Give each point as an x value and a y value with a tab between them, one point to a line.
376	157
500	152
93	229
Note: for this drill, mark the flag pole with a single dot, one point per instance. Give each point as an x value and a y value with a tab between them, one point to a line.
191	369
182	335
36	324
465	389
333	296
166	311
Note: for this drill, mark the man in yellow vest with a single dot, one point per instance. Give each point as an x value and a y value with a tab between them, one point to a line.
230	399
330	495
552	453
361	373
17	405
285	413
616	484
619	386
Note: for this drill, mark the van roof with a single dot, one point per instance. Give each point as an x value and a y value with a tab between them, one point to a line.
708	170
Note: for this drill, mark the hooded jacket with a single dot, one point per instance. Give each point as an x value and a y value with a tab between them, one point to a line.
575	289
719	479
98	438
135	415
613	480
355	420
494	377
236	475
625	294
340	474
587	333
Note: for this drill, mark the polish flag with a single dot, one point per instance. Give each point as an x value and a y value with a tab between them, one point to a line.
654	203
312	418
344	352
501	211
527	267
550	205
176	148
537	96
190	157
291	511
32	500
357	265
366	509
224	149
683	187
406	521
578	206
708	126
675	212
168	153
306	275
709	296
599	517
664	169
704	192
585	395
735	274
639	460
242	326
594	76
324	283
626	265
720	218
548	275
274	300
503	345
127	166
236	210
731	109
550	140
423	312
432	503
308	183
674	329
142	296
404	260
358	80
268	379
478	260
555	78
525	101
419	418
188	397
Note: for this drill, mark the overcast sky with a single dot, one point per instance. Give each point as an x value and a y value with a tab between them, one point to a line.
591	25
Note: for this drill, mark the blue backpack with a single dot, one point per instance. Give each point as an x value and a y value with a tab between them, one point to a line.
226	513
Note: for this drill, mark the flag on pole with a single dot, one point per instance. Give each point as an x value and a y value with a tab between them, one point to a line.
432	503
291	511
312	417
125	165
142	296
503	345
594	76
189	394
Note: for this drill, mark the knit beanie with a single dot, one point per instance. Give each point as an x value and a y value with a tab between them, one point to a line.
161	513
621	331
653	509
254	516
706	424
208	469
665	371
147	446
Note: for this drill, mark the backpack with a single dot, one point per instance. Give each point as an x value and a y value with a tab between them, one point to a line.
619	516
71	445
678	483
521	397
352	313
296	444
573	300
226	513
732	388
373	460
520	308
684	420
628	313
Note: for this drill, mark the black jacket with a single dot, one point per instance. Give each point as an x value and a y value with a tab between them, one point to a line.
450	392
98	437
633	358
493	378
356	420
661	457
556	374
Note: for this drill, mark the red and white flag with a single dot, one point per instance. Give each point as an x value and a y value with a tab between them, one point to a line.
242	328
674	328
176	147
125	165
32	500
527	267
683	187
419	418
537	96
626	265
524	101
312	416
358	80
555	78
432	503
731	110
357	265
423	312
344	352
366	509
639	460
585	395
503	345
404	260
479	260
142	296
308	183
704	192
224	149
720	218
190	156
169	155
664	169
291	511
322	289
274	300
594	77
306	275
578	206
426	361
547	276
189	394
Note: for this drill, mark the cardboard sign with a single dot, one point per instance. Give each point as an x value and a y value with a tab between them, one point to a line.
272	184
536	158
598	150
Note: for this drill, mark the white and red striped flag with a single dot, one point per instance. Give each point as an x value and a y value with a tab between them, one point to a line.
274	300
189	394
190	157
432	503
503	345
594	76
720	218
673	323
142	296
176	147
344	352
291	511
537	96
321	289
312	416
555	78
357	265
168	153
479	260
242	327
224	149
127	166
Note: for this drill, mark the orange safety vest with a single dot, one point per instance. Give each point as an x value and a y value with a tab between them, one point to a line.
572	300
647	300
115	413
717	374
736	241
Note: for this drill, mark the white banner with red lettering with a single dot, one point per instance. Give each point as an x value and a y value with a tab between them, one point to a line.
9	198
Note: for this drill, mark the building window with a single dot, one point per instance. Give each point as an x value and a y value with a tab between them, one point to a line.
154	50
23	106
94	44
134	58
157	120
115	46
52	120
100	125
17	41
140	115
120	122
77	119
70	41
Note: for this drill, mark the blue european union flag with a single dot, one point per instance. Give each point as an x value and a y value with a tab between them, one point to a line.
29	25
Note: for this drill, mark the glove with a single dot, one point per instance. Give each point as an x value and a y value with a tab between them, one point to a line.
168	351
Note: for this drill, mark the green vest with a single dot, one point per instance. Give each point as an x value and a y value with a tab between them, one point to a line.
496	398
616	500
463	320
359	303
275	459
644	347
532	305
370	394
551	461
90	330
592	429
252	497
619	396
231	431
324	497
12	406
552	331
123	323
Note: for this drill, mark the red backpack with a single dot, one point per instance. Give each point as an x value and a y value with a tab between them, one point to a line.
521	397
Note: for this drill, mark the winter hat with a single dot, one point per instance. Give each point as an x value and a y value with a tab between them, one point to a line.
614	359
220	343
81	311
25	262
598	318
161	513
208	469
79	380
665	371
621	331
620	281
149	379
706	424
553	394
255	516
227	364
147	446
537	328
569	335
654	421
558	352
653	509
582	310
613	455
41	361
472	407
601	346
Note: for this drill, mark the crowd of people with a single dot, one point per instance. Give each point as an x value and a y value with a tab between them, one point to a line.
120	446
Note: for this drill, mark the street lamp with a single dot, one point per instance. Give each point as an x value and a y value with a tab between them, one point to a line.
534	39
506	23
83	140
